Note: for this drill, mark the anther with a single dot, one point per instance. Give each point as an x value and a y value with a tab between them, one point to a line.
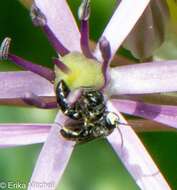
4	49
37	16
84	10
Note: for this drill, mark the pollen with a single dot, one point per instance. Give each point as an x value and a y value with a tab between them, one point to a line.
84	72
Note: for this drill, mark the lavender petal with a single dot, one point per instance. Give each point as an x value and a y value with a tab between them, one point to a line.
135	157
61	22
155	98
144	78
160	113
22	134
53	158
14	85
121	24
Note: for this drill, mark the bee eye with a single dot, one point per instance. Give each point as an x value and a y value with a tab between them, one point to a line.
112	119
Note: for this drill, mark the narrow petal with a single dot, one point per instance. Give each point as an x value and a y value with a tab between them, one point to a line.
160	113
22	134
53	158
155	98
142	125
135	157
121	23
61	22
144	78
14	86
25	134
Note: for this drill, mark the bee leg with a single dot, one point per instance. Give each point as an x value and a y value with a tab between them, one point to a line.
70	134
62	92
80	136
32	99
112	122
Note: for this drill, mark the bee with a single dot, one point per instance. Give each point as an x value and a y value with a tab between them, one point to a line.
94	121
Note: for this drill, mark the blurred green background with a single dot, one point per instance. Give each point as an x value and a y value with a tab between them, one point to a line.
93	166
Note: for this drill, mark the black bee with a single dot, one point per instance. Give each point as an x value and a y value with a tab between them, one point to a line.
90	111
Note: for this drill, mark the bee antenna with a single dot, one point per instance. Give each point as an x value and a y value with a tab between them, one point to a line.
121	136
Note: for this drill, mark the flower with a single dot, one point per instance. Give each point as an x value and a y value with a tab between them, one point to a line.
133	79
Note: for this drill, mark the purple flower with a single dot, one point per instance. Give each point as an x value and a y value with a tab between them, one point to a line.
121	86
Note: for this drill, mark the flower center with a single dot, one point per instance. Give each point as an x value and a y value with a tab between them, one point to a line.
83	72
